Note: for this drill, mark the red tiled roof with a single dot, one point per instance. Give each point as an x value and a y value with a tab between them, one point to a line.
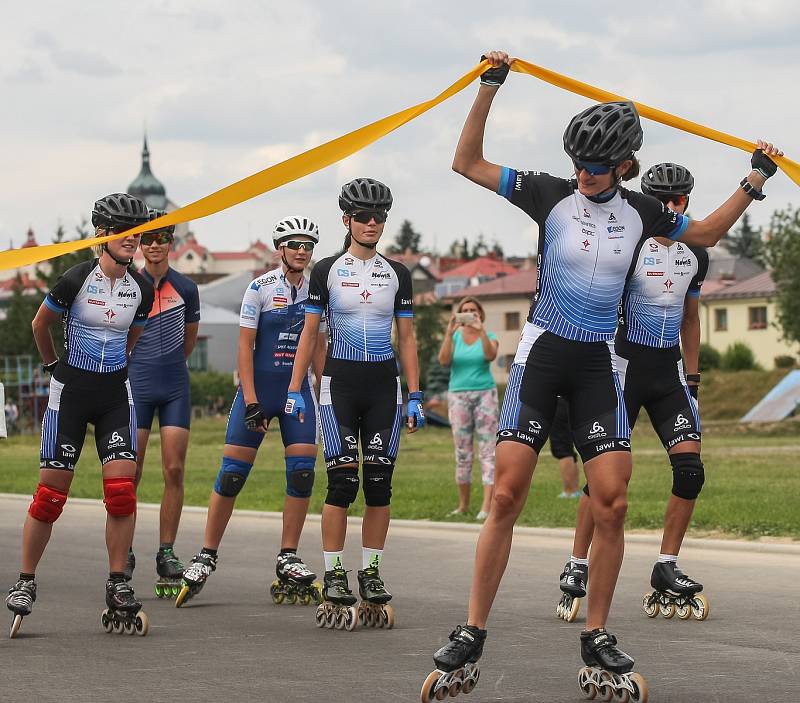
518	283
231	255
759	286
482	266
190	245
28	283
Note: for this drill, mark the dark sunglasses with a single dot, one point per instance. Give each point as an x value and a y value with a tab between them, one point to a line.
296	244
156	238
364	216
592	169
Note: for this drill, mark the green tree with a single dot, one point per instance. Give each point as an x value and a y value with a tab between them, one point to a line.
406	239
429	326
783	255
746	241
16	336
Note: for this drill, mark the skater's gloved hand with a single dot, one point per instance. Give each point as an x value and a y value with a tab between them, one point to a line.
295	405
501	64
761	162
415	412
254	418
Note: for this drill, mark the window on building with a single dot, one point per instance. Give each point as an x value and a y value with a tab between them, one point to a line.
757	318
721	319
189	256
198	360
512	320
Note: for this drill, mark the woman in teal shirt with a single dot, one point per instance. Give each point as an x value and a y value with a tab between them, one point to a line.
468	349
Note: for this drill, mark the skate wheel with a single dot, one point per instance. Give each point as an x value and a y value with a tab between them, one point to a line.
319	616
105	619
117	624
649	605
388	617
130	628
141	624
441	693
16	623
621	694
683	611
157	589
585	683
316	592
429	686
605	691
183	596
290	598
305	599
700	607
454	689
278	598
667	610
350	619
572	612
640	692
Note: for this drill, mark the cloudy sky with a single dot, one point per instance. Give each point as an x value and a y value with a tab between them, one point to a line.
227	89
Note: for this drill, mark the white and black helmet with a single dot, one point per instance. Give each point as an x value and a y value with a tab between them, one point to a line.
292	226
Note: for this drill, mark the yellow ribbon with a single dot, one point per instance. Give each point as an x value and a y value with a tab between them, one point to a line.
337	149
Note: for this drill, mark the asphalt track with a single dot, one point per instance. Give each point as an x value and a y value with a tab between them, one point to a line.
233	644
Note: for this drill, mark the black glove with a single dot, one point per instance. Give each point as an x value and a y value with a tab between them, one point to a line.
254	416
763	164
495	76
693	391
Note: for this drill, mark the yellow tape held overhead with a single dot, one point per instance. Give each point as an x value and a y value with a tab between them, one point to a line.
789	167
337	149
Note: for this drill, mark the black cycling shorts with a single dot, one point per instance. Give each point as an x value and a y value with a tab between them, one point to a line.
561	434
584	373
78	398
654	380
360	401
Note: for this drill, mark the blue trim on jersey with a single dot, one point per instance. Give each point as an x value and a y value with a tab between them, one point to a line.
509	414
138	323
693	293
403	313
55	307
313	309
683	223
506	182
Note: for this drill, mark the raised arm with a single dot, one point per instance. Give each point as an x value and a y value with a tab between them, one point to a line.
468	160
707	232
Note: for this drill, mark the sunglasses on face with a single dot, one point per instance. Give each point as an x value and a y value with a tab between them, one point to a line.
156	238
592	169
363	217
297	244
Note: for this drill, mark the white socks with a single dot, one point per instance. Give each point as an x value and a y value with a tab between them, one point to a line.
581	562
667	558
371	557
333	560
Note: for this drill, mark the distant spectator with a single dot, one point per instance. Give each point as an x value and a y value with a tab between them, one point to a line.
561	448
12	415
468	349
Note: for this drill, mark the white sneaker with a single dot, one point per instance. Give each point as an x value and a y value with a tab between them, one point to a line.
481	516
457	512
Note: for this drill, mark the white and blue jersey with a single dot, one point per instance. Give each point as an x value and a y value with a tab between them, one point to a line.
659	280
98	314
585	250
360	299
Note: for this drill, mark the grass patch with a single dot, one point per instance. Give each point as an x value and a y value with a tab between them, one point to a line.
752	480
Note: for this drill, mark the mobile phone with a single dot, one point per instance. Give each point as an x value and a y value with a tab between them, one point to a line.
464	318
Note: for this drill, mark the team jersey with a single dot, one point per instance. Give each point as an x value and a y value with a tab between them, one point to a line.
276	308
97	315
360	299
658	282
585	249
176	303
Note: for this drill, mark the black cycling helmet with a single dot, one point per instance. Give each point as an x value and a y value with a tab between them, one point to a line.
119	210
607	133
365	194
153	213
667	179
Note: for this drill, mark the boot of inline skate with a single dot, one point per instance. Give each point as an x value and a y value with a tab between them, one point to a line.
572	582
456	670
336	609
124	611
195	577
675	594
608	672
19	601
170	572
374	610
295	582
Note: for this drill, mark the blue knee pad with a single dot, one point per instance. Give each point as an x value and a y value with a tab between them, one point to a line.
231	477
300	476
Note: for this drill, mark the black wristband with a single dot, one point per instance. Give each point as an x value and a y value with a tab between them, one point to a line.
49	368
495	76
693	377
751	190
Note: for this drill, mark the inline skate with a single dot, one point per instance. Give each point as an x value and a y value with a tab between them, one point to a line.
373	610
608	671
170	573
124	611
674	594
336	609
295	582
19	601
456	663
195	577
573	586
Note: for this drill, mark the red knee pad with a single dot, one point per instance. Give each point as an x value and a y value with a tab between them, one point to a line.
47	503
119	495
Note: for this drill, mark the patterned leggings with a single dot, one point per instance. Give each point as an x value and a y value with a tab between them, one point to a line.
470	413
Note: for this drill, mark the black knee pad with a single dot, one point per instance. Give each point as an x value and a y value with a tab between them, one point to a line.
342	487
687	475
586	489
378	484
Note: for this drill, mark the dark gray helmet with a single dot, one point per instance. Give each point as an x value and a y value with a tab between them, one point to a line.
153	213
119	210
607	133
365	194
667	179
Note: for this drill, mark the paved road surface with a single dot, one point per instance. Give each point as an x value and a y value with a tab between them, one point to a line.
232	644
